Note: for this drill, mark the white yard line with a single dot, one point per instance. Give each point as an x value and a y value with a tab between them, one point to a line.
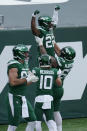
15	2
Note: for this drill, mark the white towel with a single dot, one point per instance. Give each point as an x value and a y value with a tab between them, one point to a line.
44	98
25	112
46	105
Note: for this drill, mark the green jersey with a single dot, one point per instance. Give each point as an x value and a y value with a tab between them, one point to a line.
48	40
22	73
46	80
65	66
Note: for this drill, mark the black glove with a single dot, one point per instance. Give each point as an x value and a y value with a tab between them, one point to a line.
36	12
57	7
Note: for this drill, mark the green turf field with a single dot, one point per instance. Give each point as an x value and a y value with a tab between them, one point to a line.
68	125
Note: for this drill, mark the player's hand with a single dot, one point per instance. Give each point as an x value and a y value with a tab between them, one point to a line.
31	77
39	40
57	7
36	12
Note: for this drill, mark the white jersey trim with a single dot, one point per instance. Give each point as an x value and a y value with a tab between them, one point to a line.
10	96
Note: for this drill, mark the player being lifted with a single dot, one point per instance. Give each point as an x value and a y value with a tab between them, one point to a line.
65	63
19	77
44	92
45	31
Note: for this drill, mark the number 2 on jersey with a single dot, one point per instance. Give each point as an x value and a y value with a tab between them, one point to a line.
49	40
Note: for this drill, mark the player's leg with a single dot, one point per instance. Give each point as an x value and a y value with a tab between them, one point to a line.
38	126
57	115
11	128
30	116
31	126
58	93
39	115
14	103
52	125
49	118
58	120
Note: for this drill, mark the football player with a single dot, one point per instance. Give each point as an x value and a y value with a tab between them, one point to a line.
65	63
45	31
44	92
19	78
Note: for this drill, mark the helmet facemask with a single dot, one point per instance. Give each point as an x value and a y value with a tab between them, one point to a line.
21	52
45	22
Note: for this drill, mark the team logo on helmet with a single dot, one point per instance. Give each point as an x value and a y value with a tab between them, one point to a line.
19	52
45	22
68	53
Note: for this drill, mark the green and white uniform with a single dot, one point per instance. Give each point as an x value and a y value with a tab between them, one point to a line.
18	105
48	41
44	92
65	67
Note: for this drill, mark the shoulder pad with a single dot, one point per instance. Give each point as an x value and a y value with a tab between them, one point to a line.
11	62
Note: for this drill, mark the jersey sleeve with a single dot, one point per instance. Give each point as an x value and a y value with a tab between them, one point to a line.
57	73
61	62
12	64
55	17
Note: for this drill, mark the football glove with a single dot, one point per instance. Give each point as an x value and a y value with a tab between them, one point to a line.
57	7
31	77
36	12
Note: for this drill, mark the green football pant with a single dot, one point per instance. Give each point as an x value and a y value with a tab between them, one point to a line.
19	107
39	112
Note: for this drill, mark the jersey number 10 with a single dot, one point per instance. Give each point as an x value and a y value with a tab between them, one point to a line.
46	82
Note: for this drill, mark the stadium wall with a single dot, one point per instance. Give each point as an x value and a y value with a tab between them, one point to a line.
74	101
